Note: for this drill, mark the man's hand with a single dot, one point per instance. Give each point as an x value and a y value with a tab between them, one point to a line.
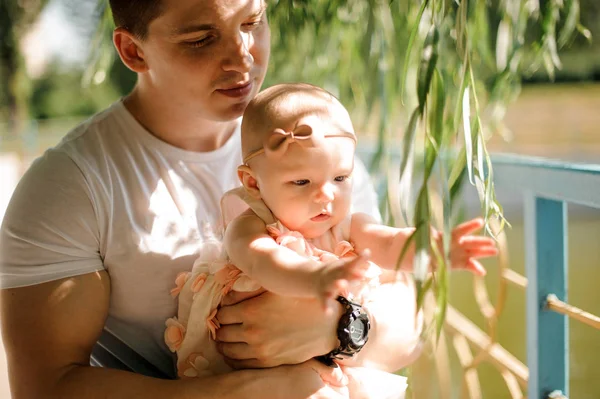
262	329
466	248
313	380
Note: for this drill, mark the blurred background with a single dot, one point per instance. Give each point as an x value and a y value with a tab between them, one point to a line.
57	67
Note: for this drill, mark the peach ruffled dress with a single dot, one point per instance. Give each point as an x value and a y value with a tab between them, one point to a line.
191	334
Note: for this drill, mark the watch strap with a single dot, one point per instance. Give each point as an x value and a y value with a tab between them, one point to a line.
351	312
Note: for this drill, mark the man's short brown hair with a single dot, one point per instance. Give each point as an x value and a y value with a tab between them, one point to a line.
135	15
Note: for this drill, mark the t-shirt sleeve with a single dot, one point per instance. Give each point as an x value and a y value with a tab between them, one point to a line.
364	197
50	229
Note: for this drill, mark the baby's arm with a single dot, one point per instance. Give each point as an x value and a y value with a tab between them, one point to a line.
386	243
279	269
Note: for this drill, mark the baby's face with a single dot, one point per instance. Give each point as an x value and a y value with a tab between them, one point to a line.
309	188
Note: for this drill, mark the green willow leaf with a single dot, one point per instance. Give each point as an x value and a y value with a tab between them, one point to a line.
407	164
434	134
457	168
458	108
441	287
583	31
438	104
447	212
422	289
101	55
406	247
429	58
423	235
461	29
411	41
466	118
570	25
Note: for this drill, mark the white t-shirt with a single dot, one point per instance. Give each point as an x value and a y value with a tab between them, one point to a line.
111	196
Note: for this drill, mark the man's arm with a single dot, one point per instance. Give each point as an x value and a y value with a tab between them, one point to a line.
267	330
49	331
394	338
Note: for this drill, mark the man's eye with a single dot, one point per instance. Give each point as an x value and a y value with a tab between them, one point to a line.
201	42
301	182
340	178
252	25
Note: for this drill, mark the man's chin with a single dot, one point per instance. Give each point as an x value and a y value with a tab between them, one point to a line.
228	114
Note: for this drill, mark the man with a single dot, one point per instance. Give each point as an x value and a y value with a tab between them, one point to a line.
100	226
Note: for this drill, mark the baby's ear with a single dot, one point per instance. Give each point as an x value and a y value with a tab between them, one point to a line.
246	176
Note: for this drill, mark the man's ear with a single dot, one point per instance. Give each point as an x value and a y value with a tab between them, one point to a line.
128	47
246	176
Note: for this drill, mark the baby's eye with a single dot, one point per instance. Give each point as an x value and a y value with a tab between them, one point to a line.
301	182
340	178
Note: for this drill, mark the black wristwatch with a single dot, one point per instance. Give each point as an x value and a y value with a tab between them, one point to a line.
353	332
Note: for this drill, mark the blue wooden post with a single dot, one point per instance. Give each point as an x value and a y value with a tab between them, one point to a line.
546	264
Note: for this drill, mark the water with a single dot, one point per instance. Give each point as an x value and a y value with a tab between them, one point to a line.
584	272
559	122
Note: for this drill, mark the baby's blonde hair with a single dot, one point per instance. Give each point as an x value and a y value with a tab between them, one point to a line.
281	106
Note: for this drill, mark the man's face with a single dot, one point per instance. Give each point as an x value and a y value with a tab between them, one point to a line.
208	56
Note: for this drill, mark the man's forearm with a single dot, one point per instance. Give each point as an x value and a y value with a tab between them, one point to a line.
395	328
97	382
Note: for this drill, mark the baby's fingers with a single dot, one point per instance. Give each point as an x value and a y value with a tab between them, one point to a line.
348	270
476	241
476	268
476	247
330	375
483	252
468	227
355	270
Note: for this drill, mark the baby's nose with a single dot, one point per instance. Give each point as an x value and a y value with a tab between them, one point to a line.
325	193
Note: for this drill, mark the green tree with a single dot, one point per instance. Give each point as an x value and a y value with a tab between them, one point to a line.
59	94
15	91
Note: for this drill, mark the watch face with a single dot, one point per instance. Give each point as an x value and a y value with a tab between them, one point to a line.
357	332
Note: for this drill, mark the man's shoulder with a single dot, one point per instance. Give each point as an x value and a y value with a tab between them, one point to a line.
81	151
97	126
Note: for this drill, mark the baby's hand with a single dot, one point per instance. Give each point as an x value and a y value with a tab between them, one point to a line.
334	278
466	248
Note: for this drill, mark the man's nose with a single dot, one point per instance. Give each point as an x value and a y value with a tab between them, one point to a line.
325	193
238	57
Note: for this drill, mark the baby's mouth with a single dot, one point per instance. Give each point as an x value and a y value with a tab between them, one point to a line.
321	217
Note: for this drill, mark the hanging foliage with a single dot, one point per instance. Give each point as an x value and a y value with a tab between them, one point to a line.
437	75
448	69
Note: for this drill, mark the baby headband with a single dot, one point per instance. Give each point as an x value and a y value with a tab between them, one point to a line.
278	142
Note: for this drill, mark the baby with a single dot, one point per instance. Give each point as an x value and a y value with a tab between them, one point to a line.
298	235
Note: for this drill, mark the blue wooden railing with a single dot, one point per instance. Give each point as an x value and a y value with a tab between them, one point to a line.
548	187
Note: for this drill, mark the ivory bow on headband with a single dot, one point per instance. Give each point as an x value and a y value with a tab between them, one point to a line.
278	142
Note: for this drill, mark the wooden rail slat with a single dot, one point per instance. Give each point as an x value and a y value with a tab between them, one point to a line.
457	323
558	306
515	278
